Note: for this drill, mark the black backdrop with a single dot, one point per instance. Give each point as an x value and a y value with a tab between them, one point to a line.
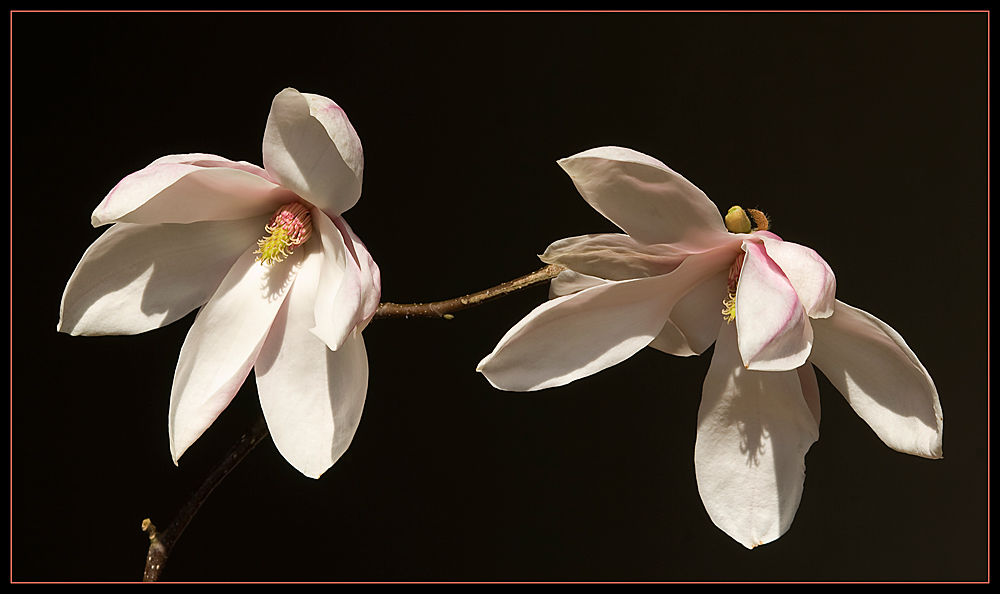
864	136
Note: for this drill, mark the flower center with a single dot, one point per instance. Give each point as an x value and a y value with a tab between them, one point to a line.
289	228
729	303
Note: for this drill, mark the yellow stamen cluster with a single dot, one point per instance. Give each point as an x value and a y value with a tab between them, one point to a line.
729	308
289	228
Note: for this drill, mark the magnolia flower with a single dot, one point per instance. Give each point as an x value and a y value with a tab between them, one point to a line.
683	278
284	285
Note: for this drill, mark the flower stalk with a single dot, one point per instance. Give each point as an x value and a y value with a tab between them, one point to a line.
161	543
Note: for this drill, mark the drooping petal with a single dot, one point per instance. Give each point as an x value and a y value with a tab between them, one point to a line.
190	188
810	275
311	148
881	378
223	343
774	332
754	429
347	294
312	397
613	256
138	277
645	198
580	334
694	321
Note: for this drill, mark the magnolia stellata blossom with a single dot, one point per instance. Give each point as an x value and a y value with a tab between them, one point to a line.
681	279
284	285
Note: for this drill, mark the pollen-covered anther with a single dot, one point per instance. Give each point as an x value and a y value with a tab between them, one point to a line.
729	303
289	228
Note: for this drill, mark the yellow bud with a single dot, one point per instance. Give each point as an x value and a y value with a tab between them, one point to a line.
737	220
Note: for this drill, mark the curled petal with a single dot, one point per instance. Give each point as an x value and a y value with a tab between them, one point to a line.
312	397
881	378
190	188
810	275
580	334
570	281
613	256
223	343
754	429
138	277
349	287
774	332
311	148
645	198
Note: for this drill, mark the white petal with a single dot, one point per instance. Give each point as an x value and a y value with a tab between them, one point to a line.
310	147
136	278
189	188
613	256
810	275
578	335
645	198
312	397
570	281
347	294
694	321
222	345
881	378
774	332
754	429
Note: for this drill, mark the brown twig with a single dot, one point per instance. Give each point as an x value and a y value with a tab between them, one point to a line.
161	543
444	309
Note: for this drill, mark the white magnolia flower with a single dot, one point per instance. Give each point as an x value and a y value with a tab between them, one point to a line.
284	285
675	282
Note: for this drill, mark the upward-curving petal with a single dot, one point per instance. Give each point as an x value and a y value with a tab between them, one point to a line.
754	429
810	275
138	277
645	198
190	188
223	343
580	334
311	148
774	332
881	378
312	397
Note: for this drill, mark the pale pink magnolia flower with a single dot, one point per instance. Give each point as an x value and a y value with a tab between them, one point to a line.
289	301
675	282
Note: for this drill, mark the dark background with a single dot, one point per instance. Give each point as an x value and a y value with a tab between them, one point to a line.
864	136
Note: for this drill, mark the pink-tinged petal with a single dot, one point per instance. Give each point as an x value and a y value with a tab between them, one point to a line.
190	188
136	278
578	335
646	199
614	256
694	321
349	287
367	291
311	148
223	343
754	429
774	332
312	397
810	275
881	378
